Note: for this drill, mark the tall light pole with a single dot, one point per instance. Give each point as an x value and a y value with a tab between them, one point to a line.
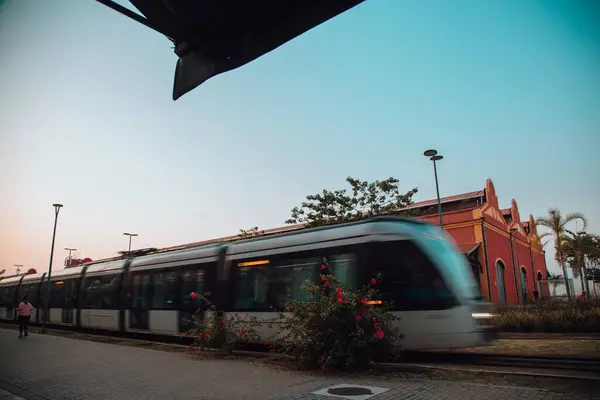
130	235
45	315
18	268
434	156
69	250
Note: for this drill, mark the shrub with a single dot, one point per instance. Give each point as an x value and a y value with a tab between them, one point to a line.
217	332
336	328
553	315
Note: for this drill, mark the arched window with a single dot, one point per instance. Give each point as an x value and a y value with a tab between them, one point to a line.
500	271
539	283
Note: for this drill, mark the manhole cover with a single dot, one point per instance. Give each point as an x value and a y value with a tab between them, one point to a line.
349	391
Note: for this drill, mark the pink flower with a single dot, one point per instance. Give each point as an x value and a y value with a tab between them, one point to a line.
231	317
373	282
206	336
222	321
270	325
323	277
363	302
323	266
194	295
375	325
380	334
327	284
358	317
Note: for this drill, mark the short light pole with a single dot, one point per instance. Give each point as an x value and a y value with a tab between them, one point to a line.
69	250
434	156
46	313
18	268
130	235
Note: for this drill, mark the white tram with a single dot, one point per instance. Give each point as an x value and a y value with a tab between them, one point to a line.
422	272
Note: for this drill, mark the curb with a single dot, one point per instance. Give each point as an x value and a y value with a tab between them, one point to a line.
420	368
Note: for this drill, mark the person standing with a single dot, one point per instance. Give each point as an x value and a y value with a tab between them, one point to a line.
24	311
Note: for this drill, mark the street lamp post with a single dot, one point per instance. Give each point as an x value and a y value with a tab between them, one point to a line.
434	156
18	268
130	235
69	250
57	208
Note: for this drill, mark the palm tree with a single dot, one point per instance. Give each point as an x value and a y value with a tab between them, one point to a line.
577	247
556	223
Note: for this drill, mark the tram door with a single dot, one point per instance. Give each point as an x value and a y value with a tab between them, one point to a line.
69	300
140	301
192	288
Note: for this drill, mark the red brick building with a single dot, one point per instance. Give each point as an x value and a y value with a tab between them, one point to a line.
505	253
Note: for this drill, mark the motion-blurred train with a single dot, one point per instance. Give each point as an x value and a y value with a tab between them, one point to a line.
422	272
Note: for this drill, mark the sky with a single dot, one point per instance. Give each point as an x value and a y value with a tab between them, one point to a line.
507	90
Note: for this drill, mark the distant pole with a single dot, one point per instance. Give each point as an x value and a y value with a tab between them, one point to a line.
45	315
69	250
434	156
130	235
18	267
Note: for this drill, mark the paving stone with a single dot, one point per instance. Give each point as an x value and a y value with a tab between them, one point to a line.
54	368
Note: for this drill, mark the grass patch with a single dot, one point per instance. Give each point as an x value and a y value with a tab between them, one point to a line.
553	315
542	347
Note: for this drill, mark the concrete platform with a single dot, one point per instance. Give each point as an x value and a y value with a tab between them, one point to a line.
53	368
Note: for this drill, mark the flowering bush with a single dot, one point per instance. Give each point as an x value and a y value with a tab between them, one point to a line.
337	328
222	333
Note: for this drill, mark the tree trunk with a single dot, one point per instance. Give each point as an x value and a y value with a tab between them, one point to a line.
566	278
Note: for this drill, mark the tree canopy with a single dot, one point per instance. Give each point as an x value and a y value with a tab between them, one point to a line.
250	233
365	200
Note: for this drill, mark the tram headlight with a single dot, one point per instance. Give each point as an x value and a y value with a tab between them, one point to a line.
483	315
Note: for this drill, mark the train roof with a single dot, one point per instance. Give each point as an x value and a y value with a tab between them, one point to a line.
66	273
12	280
109	267
373	226
179	257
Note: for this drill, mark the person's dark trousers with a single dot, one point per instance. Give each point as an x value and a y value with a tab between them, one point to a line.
23	324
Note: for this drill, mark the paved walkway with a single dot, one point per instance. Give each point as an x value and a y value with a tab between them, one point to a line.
52	368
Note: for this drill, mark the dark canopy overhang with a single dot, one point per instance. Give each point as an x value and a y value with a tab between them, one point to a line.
216	36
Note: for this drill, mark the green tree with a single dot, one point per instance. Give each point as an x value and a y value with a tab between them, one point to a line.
578	247
365	200
556	224
250	233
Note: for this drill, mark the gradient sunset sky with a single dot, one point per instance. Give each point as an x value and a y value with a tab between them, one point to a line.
506	89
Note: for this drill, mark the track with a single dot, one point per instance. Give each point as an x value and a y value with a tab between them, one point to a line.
590	365
504	360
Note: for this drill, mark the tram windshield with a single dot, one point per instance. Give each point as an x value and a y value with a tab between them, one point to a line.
456	267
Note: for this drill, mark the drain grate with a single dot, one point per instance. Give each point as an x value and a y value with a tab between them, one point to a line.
350	391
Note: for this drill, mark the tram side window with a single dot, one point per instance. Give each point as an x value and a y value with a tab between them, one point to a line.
58	294
345	269
5	296
141	295
31	291
192	281
165	290
101	292
408	277
270	286
8	298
